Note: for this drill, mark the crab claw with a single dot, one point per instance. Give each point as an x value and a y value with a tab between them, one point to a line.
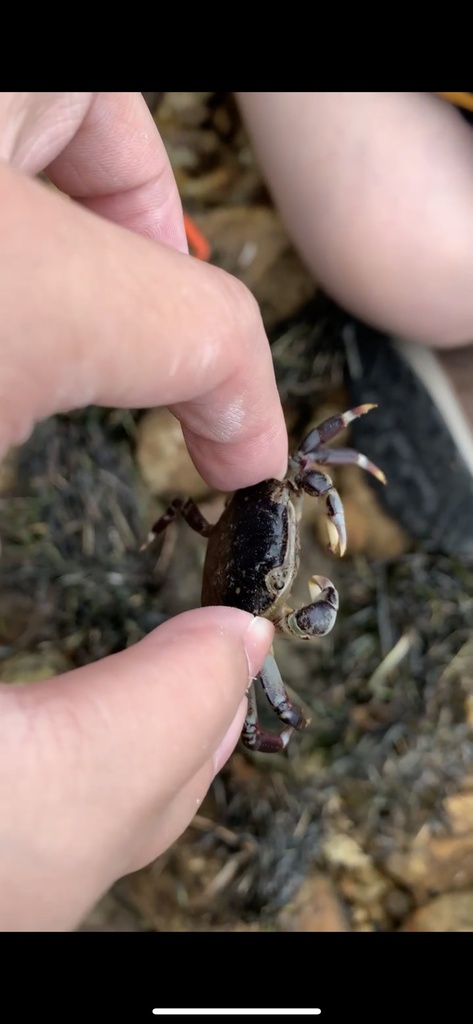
318	618
321	585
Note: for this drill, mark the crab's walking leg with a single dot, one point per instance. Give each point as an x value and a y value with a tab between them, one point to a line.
320	485
314	619
348	457
328	429
188	510
255	738
274	689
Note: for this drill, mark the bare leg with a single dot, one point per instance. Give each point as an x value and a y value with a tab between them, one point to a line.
255	738
188	510
327	155
316	619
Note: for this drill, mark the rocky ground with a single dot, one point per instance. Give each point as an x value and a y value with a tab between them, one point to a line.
366	822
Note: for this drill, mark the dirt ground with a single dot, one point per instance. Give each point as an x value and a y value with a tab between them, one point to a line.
366	822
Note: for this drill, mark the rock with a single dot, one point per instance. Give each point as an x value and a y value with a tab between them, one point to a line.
163	458
452	912
359	881
315	908
342	851
251	243
436	864
459	808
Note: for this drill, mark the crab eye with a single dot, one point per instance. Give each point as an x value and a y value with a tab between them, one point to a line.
276	579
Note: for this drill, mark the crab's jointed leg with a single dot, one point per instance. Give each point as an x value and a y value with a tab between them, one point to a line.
348	457
319	485
273	686
312	452
188	510
316	619
257	739
329	428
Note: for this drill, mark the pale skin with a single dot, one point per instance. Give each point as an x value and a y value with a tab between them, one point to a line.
101	770
101	304
376	190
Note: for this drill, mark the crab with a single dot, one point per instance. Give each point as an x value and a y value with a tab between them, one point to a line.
252	560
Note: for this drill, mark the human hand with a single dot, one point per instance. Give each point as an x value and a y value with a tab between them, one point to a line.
376	190
104	767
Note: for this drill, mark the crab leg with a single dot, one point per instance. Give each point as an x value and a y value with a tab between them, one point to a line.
320	485
188	510
348	457
257	739
331	427
273	686
311	449
316	619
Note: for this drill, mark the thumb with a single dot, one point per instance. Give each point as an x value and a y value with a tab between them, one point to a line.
112	745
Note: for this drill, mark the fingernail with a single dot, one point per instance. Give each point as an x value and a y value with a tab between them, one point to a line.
258	639
230	740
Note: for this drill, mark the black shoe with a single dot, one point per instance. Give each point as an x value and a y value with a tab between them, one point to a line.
421	435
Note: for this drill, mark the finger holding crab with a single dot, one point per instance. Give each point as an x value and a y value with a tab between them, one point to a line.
252	560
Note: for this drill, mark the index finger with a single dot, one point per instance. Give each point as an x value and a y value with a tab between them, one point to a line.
93	313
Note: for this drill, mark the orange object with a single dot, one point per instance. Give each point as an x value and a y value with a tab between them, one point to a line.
198	243
459	99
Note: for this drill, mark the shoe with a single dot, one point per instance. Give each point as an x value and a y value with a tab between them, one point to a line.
422	434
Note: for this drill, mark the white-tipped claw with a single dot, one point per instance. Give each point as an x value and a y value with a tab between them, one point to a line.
337	537
317	584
